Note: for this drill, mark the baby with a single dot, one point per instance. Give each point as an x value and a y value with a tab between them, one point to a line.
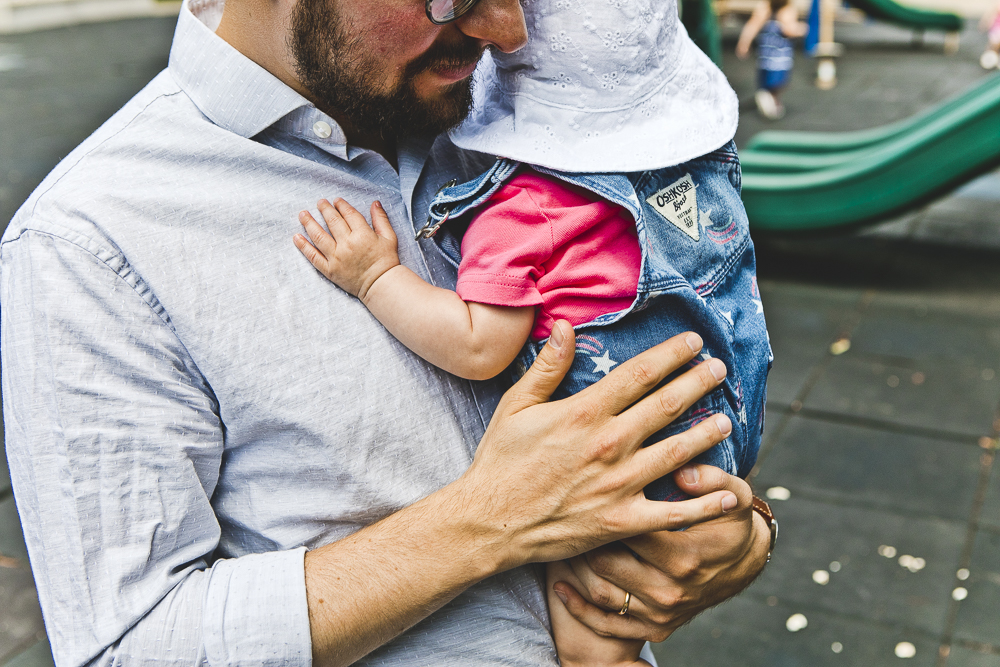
615	206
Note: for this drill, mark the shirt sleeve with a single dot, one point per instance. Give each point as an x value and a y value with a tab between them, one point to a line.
115	447
504	249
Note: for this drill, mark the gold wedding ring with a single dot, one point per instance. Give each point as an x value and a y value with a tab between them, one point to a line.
624	609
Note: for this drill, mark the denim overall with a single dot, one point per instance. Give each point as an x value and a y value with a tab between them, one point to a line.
697	274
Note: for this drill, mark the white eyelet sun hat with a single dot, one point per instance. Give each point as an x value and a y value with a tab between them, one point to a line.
602	86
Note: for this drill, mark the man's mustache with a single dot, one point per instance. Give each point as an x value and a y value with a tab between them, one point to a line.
446	56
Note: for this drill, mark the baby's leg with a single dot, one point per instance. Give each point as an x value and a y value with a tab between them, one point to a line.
577	644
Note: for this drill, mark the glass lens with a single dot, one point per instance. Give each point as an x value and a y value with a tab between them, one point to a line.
446	11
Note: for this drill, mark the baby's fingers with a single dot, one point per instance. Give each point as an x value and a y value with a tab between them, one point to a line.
319	236
339	227
381	224
314	256
351	216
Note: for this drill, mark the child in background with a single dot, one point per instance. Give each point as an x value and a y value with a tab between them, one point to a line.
991	24
616	207
775	23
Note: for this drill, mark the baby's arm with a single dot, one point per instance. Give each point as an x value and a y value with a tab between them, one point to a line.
472	340
578	645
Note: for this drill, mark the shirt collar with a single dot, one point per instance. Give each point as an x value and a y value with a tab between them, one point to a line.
234	92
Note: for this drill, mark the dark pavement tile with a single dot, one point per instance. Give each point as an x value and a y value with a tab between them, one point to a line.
990	514
927	359
39	655
962	656
961	221
979	614
932	394
5	489
954	327
864	584
11	538
802	320
21	618
849	464
749	633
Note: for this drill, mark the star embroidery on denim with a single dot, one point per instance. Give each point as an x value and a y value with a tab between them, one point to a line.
603	363
760	306
728	314
706	218
743	414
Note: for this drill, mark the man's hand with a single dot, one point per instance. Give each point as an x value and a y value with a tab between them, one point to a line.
672	576
565	477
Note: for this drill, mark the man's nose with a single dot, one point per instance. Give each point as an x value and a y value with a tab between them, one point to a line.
496	22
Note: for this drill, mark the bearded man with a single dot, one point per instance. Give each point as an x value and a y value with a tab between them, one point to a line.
219	458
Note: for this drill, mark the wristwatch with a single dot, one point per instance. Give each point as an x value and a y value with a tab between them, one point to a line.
763	509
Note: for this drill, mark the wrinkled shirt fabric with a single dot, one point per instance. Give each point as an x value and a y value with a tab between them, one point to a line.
189	405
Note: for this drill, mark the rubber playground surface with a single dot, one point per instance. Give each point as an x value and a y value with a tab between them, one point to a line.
880	445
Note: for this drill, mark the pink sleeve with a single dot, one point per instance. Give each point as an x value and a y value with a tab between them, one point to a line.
504	249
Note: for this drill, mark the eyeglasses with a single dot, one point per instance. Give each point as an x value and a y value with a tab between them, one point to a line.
446	11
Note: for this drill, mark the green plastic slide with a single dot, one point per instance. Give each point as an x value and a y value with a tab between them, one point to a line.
943	149
790	142
909	17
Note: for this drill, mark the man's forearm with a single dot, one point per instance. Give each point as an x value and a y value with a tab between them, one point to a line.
367	589
549	481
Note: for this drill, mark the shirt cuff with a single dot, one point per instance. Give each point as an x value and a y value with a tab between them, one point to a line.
256	612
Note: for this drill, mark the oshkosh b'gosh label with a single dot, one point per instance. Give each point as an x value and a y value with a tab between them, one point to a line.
678	203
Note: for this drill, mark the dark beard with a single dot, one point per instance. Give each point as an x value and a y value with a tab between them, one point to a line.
332	63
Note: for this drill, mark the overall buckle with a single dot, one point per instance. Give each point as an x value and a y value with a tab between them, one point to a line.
431	228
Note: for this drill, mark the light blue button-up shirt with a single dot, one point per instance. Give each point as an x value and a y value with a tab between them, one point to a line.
189	405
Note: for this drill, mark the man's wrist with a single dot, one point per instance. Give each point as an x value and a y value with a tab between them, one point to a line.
486	546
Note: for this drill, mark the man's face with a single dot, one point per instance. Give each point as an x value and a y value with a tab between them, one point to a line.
384	67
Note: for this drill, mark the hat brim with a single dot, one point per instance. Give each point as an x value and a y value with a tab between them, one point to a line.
693	113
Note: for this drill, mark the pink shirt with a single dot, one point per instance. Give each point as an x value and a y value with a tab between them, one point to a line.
539	241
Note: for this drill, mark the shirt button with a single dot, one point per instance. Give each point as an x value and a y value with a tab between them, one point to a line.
322	129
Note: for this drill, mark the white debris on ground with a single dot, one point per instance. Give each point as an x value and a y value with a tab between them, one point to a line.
778	493
840	346
796	622
911	563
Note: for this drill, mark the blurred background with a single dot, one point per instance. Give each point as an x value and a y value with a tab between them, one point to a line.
872	188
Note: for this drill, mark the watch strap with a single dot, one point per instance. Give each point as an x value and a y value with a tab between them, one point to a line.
761	507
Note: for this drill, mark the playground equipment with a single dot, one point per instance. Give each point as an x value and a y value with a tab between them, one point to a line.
799	181
820	42
908	17
699	18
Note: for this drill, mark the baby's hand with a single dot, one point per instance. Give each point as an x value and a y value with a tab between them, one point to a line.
353	255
